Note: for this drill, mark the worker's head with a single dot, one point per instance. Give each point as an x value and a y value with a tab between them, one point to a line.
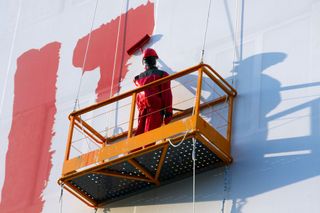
150	57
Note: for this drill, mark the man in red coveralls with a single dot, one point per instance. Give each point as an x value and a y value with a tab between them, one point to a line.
154	103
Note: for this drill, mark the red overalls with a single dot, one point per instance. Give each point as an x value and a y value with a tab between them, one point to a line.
154	102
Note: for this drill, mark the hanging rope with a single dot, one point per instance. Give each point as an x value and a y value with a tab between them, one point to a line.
236	57
114	68
194	174
193	155
178	144
236	60
76	103
186	133
205	32
116	50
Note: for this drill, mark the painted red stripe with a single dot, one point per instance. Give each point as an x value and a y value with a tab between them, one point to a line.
135	24
28	159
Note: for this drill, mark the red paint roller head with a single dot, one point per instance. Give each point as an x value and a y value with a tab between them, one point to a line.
139	44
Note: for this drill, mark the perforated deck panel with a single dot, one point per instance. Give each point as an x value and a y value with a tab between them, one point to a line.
178	164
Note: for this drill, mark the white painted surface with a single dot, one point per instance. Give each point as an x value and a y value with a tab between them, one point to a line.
275	146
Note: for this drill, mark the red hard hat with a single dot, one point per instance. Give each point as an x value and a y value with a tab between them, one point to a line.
150	52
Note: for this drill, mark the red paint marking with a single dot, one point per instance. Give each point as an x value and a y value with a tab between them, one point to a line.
28	160
101	52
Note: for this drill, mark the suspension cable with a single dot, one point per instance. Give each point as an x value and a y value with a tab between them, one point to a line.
116	50
205	32
76	103
114	64
236	56
193	156
193	174
236	59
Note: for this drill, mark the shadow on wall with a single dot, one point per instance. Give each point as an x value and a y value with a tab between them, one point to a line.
257	167
264	164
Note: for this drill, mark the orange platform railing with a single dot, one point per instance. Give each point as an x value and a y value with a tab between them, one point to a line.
200	119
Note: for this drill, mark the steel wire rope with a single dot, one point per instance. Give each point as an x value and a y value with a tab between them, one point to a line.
225	125
87	139
106	130
80	139
194	141
116	49
77	149
226	174
235	44
159	110
216	112
211	87
186	132
115	63
124	83
219	109
221	126
85	57
205	33
77	140
149	114
194	158
122	106
77	104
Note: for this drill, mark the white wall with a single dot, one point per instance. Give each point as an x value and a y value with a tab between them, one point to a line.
277	111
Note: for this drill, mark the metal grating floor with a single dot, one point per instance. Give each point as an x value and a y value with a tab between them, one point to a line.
178	164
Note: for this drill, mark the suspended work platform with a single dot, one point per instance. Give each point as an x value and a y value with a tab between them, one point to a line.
121	164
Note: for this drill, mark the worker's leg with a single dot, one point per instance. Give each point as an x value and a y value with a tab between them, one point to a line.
141	122
154	119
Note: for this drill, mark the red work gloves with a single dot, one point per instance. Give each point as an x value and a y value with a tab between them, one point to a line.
167	117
